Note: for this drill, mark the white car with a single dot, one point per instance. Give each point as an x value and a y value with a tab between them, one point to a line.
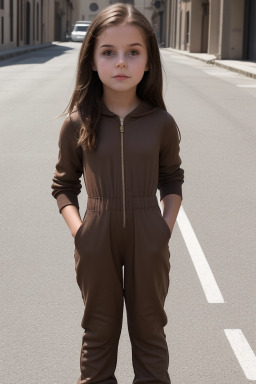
79	31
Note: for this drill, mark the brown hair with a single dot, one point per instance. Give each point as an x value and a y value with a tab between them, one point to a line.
89	90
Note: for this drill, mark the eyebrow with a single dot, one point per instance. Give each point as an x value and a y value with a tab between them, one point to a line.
111	46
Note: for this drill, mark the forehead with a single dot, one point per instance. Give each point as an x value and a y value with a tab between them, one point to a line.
123	34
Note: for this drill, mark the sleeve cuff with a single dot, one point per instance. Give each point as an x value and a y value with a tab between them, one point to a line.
169	189
66	199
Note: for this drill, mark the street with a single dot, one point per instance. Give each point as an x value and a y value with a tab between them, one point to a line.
211	305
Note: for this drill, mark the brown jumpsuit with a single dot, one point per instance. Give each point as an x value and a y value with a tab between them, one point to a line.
122	226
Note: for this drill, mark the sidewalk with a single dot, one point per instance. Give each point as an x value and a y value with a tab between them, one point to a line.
247	68
6	54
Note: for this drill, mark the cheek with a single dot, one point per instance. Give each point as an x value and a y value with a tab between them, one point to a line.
104	71
98	60
141	66
102	63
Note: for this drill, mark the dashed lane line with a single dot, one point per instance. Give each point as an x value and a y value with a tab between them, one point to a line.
209	284
236	338
243	352
246	85
221	73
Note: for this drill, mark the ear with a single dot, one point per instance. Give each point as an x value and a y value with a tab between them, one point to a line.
146	68
94	67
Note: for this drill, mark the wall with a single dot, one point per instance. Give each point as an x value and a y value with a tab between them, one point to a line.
231	30
173	24
214	27
47	34
145	7
87	13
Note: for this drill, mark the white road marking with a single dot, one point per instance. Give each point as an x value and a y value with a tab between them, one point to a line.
210	287
243	352
224	73
246	85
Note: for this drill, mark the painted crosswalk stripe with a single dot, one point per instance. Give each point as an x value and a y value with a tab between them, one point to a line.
209	284
243	352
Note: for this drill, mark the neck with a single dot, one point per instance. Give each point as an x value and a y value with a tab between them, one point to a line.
121	103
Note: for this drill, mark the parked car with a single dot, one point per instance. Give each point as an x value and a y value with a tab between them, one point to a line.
79	31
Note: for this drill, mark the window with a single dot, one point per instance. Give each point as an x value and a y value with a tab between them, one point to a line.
187	27
81	28
1	4
94	7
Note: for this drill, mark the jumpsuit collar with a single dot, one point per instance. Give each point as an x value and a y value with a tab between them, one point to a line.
142	109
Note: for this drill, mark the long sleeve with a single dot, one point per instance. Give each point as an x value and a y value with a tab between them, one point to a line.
66	184
171	175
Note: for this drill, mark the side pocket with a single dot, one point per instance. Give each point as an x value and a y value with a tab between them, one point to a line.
80	229
166	225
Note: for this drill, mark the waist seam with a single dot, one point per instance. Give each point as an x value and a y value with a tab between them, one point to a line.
100	203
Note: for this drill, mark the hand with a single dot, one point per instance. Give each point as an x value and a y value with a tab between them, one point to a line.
171	205
72	217
75	230
168	225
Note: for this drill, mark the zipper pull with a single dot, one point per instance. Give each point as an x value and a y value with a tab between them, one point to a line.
122	124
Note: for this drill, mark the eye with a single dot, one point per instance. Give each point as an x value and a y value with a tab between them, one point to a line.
133	52
108	53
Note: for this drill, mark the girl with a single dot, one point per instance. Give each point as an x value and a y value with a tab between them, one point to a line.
119	136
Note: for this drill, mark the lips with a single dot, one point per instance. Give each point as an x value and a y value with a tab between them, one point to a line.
121	76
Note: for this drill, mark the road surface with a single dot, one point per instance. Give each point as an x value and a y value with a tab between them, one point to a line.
211	303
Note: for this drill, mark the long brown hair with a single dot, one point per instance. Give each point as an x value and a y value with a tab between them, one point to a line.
89	90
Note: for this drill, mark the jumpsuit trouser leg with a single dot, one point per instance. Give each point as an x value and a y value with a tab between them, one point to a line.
103	246
146	283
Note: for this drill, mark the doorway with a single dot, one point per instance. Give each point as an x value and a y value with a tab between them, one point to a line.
250	25
205	27
187	30
180	29
28	10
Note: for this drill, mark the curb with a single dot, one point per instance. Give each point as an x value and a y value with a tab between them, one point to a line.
208	59
237	70
20	51
212	59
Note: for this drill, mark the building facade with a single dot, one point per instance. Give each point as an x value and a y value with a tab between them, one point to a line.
225	28
89	9
25	22
31	22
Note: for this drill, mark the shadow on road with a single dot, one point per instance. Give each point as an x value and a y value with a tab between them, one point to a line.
37	57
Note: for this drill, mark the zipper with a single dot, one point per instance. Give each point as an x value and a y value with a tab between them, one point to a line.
122	165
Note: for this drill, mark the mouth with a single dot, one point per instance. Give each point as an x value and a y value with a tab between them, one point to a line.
121	77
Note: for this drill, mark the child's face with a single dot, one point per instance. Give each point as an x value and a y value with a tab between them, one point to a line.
120	50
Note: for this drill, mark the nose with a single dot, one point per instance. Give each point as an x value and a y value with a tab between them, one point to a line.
121	63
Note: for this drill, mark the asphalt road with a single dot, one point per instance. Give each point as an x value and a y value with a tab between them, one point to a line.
211	303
